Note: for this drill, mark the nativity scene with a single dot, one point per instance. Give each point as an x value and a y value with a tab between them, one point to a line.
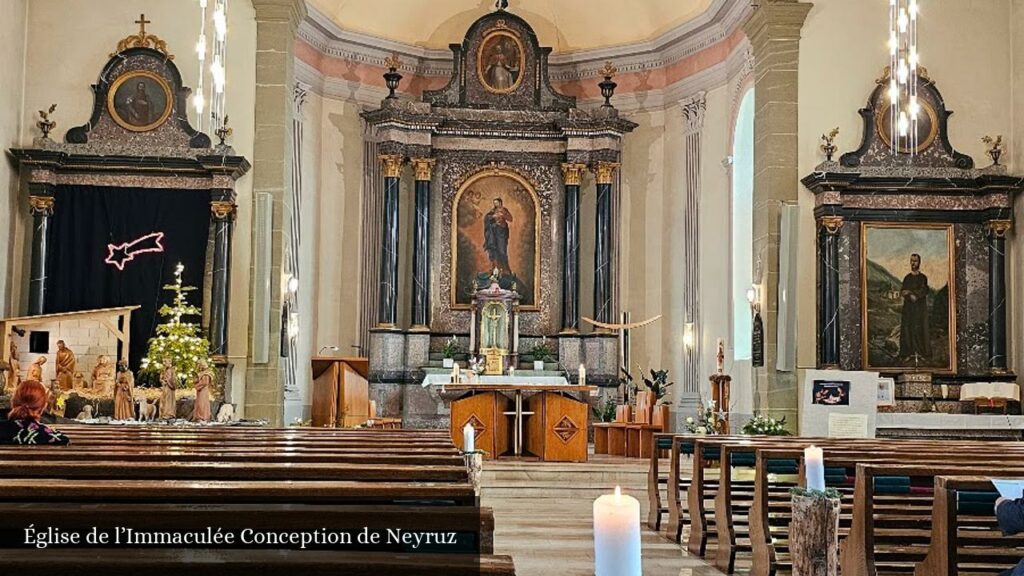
511	287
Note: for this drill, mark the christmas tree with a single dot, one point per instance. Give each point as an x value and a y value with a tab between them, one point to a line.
176	339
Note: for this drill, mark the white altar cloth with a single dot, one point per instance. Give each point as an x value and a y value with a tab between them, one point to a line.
990	390
446	378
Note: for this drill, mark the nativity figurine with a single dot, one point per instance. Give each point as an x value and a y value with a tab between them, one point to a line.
103	376
35	371
124	392
168	384
201	411
65	365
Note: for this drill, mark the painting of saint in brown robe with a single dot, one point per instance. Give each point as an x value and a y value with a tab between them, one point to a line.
65	366
204	379
168	384
124	391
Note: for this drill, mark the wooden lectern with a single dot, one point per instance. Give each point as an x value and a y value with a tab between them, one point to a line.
341	394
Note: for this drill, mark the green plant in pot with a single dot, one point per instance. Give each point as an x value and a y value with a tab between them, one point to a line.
605	411
658	385
541	353
449	350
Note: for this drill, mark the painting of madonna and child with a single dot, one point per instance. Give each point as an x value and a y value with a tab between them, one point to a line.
907	297
495	229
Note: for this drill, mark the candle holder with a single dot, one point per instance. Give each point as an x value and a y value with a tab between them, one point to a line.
223	132
814	532
475	467
608	86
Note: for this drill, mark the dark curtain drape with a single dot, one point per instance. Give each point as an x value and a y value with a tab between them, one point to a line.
87	219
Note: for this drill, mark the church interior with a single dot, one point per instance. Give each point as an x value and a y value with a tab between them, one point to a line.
534	287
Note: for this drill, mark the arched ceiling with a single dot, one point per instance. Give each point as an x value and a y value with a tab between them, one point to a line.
565	25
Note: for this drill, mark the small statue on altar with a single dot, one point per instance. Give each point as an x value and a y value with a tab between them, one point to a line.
54	396
168	384
35	371
124	392
103	376
65	365
201	411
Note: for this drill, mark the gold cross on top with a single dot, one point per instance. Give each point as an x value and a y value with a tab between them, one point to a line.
142	24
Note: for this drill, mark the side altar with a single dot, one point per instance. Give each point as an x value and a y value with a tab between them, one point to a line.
546	421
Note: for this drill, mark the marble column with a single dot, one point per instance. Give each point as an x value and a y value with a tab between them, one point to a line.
774	31
605	172
423	168
828	280
41	210
222	213
694	377
997	230
387	314
572	176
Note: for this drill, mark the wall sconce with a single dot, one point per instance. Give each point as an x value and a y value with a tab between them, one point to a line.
689	335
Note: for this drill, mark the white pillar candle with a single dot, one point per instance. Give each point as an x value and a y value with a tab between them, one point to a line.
617	535
814	468
468	438
583	375
455	372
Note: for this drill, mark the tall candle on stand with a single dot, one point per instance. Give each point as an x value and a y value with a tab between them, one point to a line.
583	375
617	535
814	468
468	438
720	356
455	372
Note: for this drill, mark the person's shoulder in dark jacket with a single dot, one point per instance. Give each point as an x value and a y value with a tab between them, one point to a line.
30	433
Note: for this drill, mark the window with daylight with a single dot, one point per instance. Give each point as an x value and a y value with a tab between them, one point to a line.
742	224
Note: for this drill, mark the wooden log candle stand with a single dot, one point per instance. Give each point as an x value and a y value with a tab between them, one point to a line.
814	535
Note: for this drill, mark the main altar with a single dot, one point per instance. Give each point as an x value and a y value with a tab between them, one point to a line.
499	162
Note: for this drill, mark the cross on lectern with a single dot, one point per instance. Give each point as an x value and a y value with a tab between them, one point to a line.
142	24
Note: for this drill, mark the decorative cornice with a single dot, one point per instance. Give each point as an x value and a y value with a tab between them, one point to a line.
572	174
392	165
693	108
423	168
605	172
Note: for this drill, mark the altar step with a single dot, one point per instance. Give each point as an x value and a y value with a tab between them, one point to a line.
525	479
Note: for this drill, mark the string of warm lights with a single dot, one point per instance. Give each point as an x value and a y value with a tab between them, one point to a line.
199	99
904	61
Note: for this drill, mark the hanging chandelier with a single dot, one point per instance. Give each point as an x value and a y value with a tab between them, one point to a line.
217	96
904	107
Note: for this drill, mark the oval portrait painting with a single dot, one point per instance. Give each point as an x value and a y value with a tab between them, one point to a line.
139	101
495	232
500	62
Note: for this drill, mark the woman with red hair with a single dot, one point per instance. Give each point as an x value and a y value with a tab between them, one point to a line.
22	425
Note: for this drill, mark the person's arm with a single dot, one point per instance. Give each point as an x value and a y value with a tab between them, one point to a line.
1010	514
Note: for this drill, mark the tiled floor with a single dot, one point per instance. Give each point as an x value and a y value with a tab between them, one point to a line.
543	516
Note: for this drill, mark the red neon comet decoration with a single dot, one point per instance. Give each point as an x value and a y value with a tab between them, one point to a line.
121	254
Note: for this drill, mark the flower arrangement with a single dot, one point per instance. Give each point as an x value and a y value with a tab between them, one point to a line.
541	350
706	422
451	347
765	426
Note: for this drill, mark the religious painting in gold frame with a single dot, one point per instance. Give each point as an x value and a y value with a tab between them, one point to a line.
495	224
501	61
140	101
908	297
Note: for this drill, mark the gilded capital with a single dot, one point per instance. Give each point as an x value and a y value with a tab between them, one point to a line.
41	205
223	210
605	172
998	228
423	168
392	164
831	224
572	174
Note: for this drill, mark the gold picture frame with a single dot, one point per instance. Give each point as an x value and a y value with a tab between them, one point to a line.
882	119
868	298
490	50
493	172
145	110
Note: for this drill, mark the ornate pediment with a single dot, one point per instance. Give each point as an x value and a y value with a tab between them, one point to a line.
930	145
500	64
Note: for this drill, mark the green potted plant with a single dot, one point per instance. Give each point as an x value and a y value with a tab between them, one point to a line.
450	349
541	353
658	384
605	411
